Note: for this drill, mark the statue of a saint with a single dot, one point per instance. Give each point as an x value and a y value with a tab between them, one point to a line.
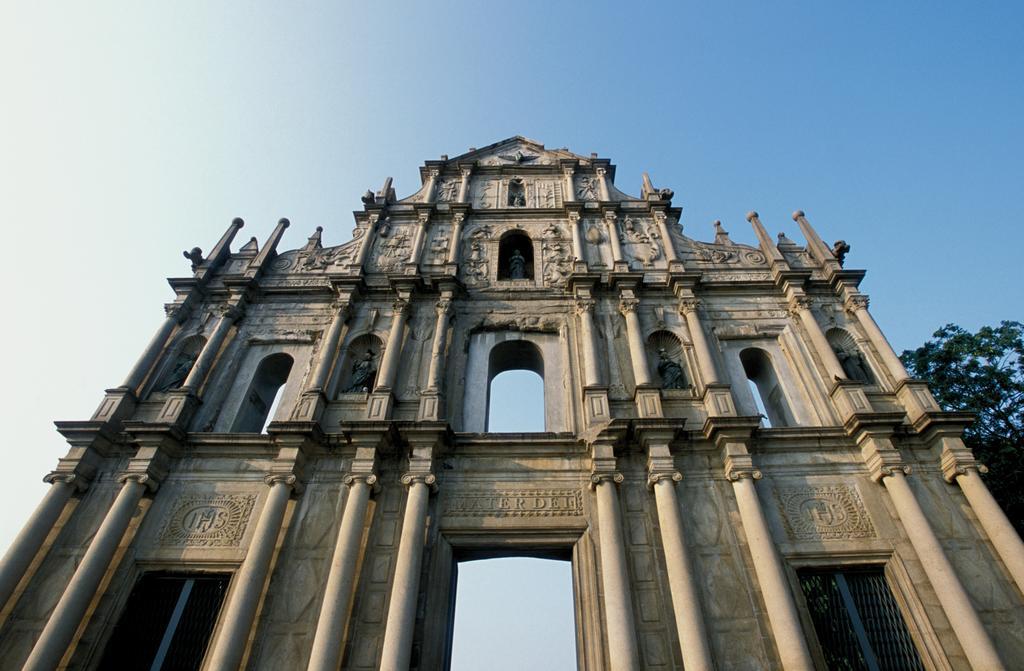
670	371
854	366
179	372
363	374
516	266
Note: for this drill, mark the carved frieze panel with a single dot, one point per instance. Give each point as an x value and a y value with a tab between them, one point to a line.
208	520
641	242
517	192
392	248
516	503
834	512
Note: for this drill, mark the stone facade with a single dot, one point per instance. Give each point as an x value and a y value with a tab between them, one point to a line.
687	517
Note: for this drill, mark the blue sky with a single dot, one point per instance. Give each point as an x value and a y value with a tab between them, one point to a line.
133	131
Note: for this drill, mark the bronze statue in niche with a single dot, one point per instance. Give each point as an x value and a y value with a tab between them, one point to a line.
516	266
364	373
854	365
670	371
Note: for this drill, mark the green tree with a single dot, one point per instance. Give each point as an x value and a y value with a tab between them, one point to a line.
983	373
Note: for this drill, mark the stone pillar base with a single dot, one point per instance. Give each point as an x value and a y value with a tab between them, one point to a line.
117	404
595	405
380	405
718	401
648	401
849	398
309	407
179	407
431	407
916	399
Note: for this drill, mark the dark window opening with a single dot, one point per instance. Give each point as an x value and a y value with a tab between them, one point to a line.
769	396
167	623
857	621
513	613
515	257
515	388
262	395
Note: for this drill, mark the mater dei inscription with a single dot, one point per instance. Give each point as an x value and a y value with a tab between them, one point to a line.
516	503
331	533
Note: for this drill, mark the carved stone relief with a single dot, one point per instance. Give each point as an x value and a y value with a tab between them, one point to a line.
208	521
825	513
557	256
640	241
393	249
586	188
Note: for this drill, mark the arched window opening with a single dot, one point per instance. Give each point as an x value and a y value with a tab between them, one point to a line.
174	375
516	193
515	257
261	397
855	366
362	360
515	403
665	355
490	631
766	388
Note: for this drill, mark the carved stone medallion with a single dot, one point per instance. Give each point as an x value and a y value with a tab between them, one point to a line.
825	513
208	521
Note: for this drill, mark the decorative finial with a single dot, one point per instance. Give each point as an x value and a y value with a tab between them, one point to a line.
237	221
752	215
368	197
839	250
284	222
798	214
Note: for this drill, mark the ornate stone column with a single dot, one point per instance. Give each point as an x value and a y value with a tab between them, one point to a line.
466	171
443	310
196	376
577	239
23	550
67	615
670	249
175	315
453	244
618	609
857	305
611	223
364	245
333	621
688	307
405	586
567	183
637	353
886	466
647	395
959	466
422	221
800	307
431	406
432	175
392	355
662	478
585	311
602	184
778	600
247	584
329	350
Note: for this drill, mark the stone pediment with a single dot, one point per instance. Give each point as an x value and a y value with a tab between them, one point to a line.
516	152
